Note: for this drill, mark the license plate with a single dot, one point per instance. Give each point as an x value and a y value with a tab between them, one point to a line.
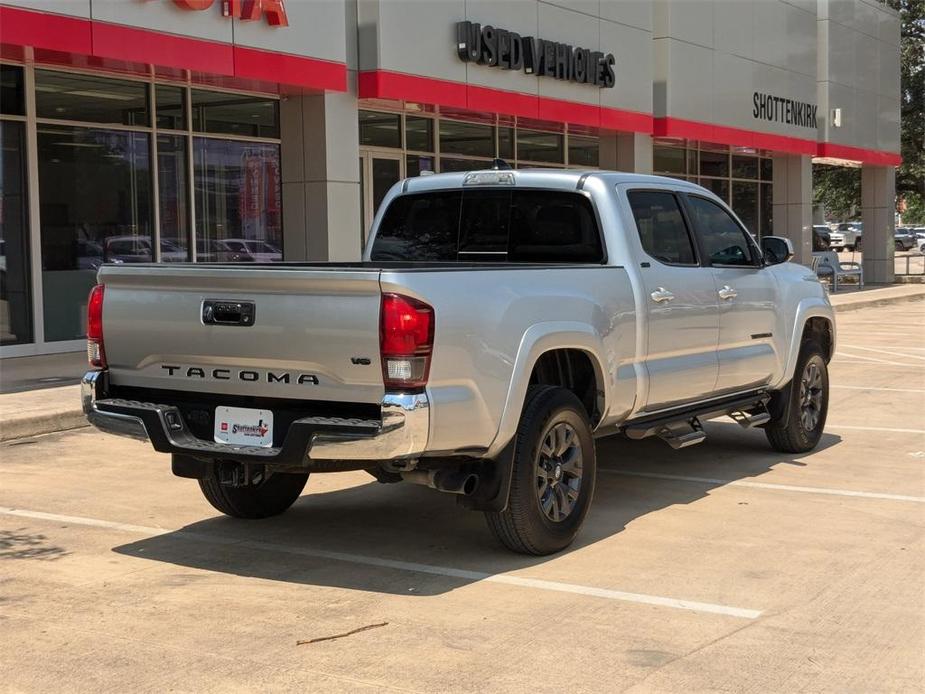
243	426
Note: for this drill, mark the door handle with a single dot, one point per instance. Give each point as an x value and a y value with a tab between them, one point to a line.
727	292
661	294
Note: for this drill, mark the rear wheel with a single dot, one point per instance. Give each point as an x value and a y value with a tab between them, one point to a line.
268	495
802	428
553	476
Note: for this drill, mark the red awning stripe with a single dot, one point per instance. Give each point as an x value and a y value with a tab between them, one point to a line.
81	36
385	84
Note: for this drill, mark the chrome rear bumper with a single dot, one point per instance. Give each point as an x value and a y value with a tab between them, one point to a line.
401	432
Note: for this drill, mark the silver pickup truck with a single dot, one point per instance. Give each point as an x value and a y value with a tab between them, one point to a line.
498	323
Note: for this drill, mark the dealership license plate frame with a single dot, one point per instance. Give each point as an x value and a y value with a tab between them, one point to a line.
243	426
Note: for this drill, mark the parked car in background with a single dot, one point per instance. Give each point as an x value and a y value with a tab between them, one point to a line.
904	239
847	236
220	251
127	249
261	251
822	238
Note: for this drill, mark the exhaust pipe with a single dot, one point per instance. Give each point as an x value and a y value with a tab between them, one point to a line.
449	481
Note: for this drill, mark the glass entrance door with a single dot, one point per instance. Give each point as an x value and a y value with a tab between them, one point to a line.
379	171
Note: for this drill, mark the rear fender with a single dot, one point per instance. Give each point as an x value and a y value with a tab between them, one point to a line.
538	339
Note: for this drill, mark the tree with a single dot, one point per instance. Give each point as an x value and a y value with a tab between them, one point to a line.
839	188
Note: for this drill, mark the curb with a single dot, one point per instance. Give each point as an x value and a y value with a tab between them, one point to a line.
876	301
46	423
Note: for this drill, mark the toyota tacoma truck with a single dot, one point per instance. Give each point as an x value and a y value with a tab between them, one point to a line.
498	323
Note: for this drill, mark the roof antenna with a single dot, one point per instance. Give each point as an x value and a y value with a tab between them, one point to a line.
500	165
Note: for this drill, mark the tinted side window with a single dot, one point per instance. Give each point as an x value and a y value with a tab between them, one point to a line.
724	240
552	227
419	227
661	227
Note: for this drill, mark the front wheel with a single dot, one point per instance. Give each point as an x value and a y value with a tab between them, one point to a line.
553	476
268	496
802	428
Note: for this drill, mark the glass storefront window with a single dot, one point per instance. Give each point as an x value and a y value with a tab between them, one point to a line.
238	212
380	129
582	151
448	164
68	96
744	167
506	143
15	285
668	160
95	206
468	139
419	134
173	196
719	187
766	209
745	203
12	91
171	107
767	169
539	146
714	163
235	114
415	164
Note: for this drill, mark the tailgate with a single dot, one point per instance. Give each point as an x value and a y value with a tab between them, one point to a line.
314	334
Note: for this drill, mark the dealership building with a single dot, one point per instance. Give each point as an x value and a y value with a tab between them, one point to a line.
254	130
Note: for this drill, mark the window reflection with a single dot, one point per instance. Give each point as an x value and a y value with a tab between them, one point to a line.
238	213
15	293
95	206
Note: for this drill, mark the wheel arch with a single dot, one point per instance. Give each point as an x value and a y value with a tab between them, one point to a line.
813	316
556	353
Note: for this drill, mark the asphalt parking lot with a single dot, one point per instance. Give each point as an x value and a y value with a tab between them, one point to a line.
723	567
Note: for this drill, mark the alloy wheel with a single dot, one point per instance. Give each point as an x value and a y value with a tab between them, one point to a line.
811	395
558	471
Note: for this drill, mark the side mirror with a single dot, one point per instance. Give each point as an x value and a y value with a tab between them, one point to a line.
776	249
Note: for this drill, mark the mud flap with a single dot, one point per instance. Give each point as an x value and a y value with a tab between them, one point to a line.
494	483
779	404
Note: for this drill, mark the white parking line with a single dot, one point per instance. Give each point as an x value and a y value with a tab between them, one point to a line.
888	390
765	485
886	351
520	581
864	357
833	425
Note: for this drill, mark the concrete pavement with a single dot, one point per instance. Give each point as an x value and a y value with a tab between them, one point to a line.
723	567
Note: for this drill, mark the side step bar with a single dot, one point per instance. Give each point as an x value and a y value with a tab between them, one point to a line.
681	428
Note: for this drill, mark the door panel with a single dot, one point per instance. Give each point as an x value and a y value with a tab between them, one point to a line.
681	361
747	296
680	302
747	353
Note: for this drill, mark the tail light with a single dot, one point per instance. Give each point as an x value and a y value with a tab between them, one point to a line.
96	355
406	340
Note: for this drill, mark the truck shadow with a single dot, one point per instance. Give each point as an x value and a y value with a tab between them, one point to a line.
408	540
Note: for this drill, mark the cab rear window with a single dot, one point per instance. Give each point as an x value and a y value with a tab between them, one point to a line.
490	225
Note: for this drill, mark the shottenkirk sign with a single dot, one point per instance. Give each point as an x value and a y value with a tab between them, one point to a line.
508	50
273	10
781	110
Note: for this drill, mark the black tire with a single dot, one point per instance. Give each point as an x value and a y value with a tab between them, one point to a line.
526	526
801	430
269	497
898	245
